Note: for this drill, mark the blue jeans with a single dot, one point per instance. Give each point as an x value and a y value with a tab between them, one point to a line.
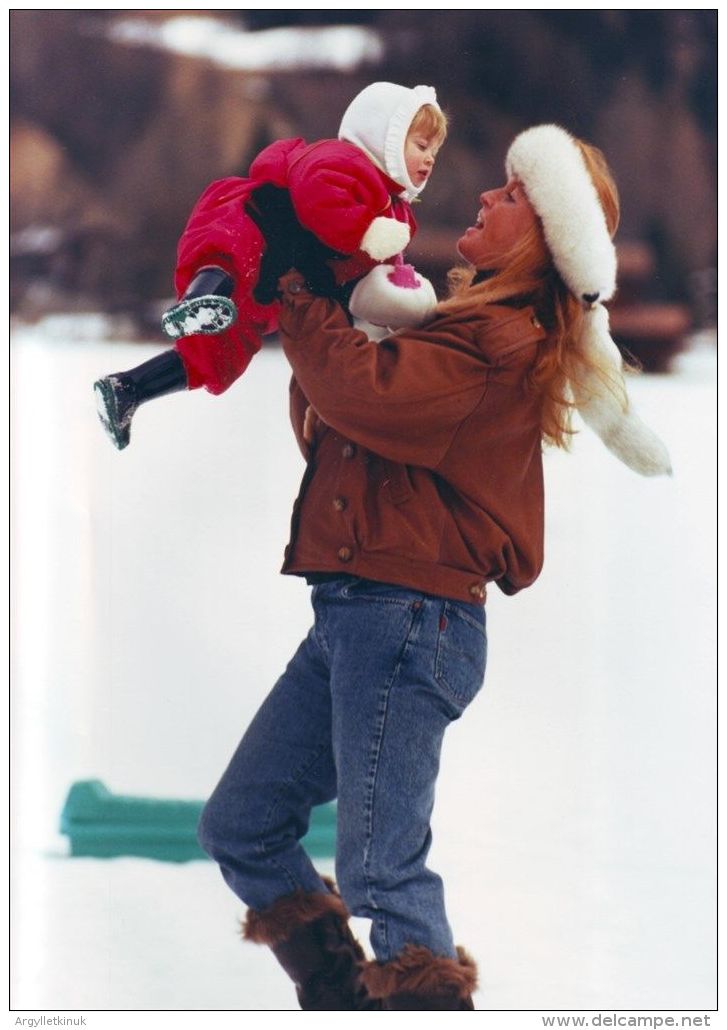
359	715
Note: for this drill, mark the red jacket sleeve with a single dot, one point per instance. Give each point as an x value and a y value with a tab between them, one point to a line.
272	163
337	192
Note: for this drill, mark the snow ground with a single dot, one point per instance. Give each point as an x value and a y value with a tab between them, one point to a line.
575	815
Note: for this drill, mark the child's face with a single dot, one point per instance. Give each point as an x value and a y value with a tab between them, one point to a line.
420	153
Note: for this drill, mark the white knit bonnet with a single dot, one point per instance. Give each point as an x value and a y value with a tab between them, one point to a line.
550	166
377	121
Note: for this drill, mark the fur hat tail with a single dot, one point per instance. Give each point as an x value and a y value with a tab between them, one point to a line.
604	405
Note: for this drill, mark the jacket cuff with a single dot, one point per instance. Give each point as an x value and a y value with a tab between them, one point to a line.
385	238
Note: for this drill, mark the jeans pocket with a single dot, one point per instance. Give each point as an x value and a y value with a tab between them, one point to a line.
461	654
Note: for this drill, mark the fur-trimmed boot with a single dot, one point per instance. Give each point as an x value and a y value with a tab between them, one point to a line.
309	935
206	307
417	979
119	395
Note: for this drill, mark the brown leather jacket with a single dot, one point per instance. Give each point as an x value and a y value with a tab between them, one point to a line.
426	466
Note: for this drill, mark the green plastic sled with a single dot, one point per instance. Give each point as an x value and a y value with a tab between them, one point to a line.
100	824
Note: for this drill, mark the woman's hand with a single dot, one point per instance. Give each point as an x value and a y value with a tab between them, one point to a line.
292	283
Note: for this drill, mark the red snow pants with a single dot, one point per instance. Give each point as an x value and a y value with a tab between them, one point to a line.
220	232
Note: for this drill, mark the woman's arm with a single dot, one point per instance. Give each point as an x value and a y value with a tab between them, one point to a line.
403	398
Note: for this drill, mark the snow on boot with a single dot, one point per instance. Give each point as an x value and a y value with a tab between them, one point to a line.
119	395
309	935
419	980
206	306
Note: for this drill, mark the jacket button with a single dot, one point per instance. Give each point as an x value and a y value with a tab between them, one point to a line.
345	554
477	590
348	450
339	503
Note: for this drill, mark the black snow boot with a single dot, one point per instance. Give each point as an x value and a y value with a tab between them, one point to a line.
119	395
206	306
311	939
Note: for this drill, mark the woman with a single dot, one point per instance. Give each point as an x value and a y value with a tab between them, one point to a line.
424	484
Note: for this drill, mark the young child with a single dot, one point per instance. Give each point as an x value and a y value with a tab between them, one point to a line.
334	209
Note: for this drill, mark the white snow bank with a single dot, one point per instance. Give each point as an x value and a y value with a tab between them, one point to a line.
35	239
342	47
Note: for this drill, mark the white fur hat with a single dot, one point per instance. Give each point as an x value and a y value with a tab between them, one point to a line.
547	161
551	168
377	121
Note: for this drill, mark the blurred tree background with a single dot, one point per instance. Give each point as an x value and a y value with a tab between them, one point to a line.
112	141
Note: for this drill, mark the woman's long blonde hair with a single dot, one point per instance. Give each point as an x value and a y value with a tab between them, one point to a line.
528	276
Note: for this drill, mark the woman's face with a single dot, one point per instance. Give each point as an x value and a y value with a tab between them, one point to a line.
504	217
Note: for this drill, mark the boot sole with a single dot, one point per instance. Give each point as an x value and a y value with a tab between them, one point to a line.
117	429
210	315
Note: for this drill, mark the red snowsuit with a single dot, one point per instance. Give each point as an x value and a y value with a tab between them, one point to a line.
336	191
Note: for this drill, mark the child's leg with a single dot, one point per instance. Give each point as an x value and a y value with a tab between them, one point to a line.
206	306
119	395
216	362
218	262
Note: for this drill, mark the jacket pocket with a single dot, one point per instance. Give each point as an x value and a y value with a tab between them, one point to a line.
405	516
398	483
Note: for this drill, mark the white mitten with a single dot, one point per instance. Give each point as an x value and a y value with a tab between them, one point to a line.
384	238
380	299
